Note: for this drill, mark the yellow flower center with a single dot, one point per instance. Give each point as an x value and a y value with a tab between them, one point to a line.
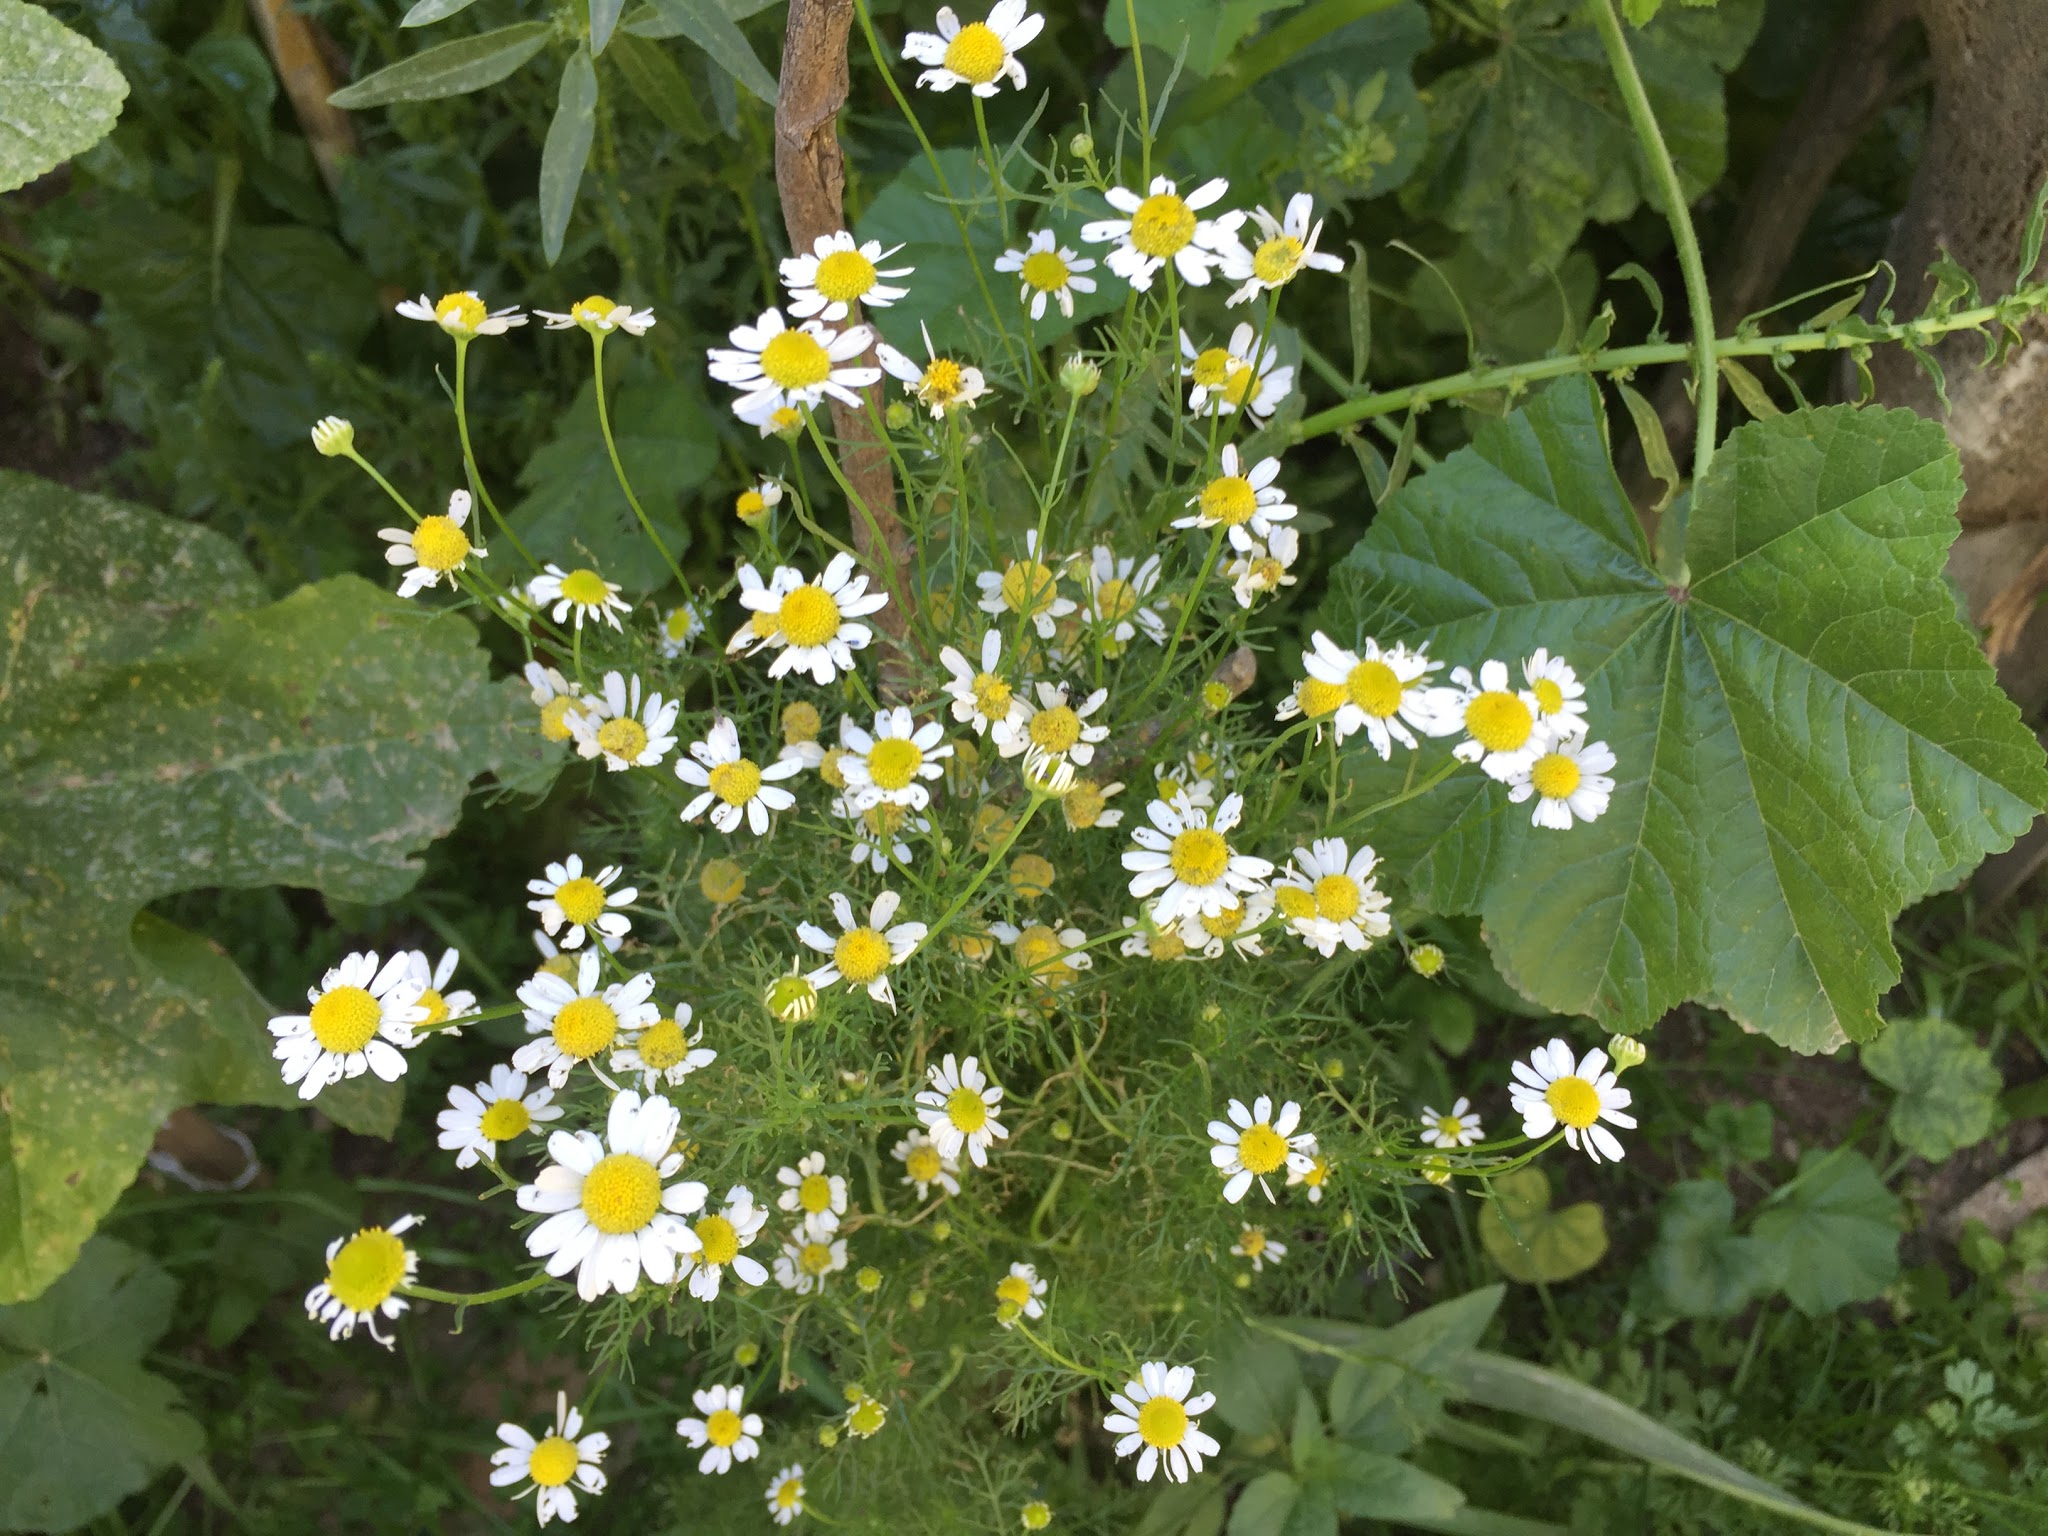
1238	382
724	1428
894	762
1037	1515
976	54
795	360
1275	260
801	722
1198	856
1451	1127
789	1493
554	717
814	1193
1253	1242
585	588
1115	601
436	1006
1266	572
1375	688
1162	1423
991	696
1055	729
721	1240
1549	695
563	966
749	505
346	1019
663	1045
1261	1149
1162	225
1498	721
553	1462
1029	587
829	768
1168	945
1015	1290
367	1270
722	881
1084	804
735	782
809	616
1039	951
585	1027
505	1119
1338	898
1318	1171
1222	925
1045	271
884	820
787	420
967	1109
460	313
1294	902
581	900
1211	367
844	276
623	736
1318	698
438	544
595	309
622	1193
1574	1100
1555	776
861	954
923	1164
1230	500
814	1258
941	382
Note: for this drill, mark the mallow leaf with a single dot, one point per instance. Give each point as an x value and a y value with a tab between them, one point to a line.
1947	1085
1833	1231
59	93
1807	737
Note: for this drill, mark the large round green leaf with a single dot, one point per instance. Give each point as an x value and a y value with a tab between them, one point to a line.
1946	1083
59	94
1531	1242
1807	736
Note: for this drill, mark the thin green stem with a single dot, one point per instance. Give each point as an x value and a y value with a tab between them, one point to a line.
1698	298
604	425
532	1282
1144	106
476	479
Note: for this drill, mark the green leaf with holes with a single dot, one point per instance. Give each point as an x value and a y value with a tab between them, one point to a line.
159	732
1531	1242
59	94
84	1424
1807	737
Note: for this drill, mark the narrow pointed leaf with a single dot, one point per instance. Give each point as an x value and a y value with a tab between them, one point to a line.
448	69
563	156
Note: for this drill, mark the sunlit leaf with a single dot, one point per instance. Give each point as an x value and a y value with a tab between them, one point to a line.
1947	1085
59	94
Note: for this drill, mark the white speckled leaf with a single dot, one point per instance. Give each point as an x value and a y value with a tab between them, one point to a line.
59	94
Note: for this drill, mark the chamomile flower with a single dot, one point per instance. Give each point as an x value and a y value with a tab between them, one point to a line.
1551	1089
581	903
599	316
1027	588
1164	226
925	1165
1263	569
1312	699
786	1493
776	367
1252	1243
1315	1176
435	546
1086	805
837	273
1020	1293
983	696
1285	246
1569	780
754	504
1117	604
1035	1516
863	953
1052	957
810	1256
1386	692
809	1188
575	1021
1236	927
1254	1144
941	385
1184	861
1458	1127
445	1009
1240	376
679	626
478	1120
1056	727
891	766
1246	502
611	1209
361	1020
721	1240
980	55
1045	270
1147	940
735	787
814	624
556	698
462	315
582	592
727	1433
877	832
1560	696
665	1052
1155	1418
554	1468
959	1109
622	728
1329	897
1504	734
364	1272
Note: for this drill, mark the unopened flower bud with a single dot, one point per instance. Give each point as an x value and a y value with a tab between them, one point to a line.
722	882
1081	147
869	1279
828	1435
1078	376
1426	960
792	998
1047	774
898	415
1063	1129
941	1230
333	436
1627	1052
746	1355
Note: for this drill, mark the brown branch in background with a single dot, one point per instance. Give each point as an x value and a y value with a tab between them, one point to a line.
810	176
303	70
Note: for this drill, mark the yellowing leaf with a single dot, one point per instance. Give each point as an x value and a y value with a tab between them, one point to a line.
1531	1242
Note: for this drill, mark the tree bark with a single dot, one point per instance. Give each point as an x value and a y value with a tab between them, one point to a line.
810	177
